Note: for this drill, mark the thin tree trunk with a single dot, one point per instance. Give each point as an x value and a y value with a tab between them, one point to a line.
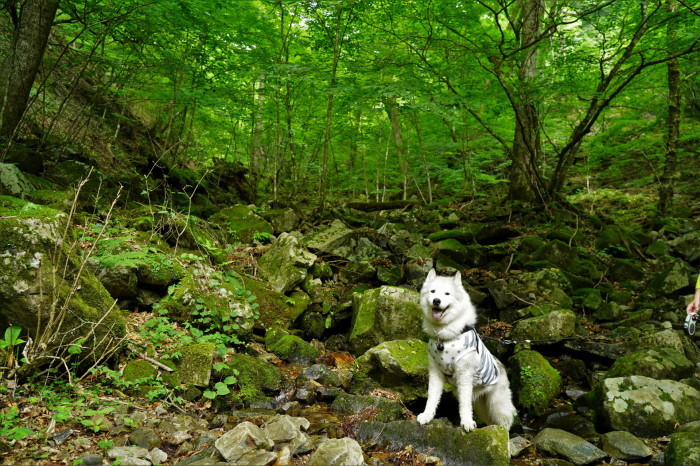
21	65
329	111
672	124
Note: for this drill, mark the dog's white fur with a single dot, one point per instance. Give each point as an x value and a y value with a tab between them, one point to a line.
447	310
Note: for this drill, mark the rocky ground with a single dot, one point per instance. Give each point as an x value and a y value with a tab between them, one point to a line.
263	336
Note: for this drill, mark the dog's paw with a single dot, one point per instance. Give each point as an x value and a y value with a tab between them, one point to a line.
469	425
424	418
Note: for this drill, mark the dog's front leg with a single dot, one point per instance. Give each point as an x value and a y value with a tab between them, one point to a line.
465	389
436	382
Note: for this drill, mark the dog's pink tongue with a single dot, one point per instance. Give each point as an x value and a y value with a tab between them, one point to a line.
437	315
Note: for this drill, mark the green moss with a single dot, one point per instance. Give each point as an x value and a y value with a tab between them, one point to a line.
12	206
256	378
195	363
289	347
536	381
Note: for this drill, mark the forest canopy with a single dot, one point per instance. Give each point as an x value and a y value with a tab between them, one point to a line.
365	99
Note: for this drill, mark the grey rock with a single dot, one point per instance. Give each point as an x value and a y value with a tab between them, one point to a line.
624	446
137	452
243	442
337	452
157	456
558	442
517	445
13	182
322	374
285	264
288	430
335	240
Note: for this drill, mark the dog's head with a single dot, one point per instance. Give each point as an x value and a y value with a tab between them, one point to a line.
443	298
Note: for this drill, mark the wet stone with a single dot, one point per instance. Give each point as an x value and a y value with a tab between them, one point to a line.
624	446
558	442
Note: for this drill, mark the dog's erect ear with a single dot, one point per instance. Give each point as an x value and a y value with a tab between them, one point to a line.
458	279
431	275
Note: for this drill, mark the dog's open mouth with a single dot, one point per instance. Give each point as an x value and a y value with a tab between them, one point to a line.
437	313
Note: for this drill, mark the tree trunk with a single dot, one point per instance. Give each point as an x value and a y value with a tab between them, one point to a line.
673	123
392	110
527	146
329	111
21	65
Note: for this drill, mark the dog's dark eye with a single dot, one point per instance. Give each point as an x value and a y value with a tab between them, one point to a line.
447	294
432	291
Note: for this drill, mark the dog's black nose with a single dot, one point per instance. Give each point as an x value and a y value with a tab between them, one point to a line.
436	302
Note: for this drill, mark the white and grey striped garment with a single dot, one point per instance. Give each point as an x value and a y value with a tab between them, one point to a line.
454	350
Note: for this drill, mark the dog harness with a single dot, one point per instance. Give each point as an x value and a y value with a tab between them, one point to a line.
446	354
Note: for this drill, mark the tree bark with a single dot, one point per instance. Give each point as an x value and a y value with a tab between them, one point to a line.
525	155
392	110
673	122
21	65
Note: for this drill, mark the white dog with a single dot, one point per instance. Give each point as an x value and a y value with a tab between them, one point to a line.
457	354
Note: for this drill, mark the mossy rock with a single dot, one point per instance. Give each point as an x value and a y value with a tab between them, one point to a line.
683	449
385	313
143	372
552	326
463	236
34	244
558	253
275	308
195	363
256	379
288	347
535	381
657	363
454	446
207	297
643	406
400	366
241	222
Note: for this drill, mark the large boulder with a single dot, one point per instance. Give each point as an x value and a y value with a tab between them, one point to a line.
454	446
644	406
45	285
286	263
382	314
398	366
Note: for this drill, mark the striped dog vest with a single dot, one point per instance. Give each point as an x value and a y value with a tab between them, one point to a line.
454	350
